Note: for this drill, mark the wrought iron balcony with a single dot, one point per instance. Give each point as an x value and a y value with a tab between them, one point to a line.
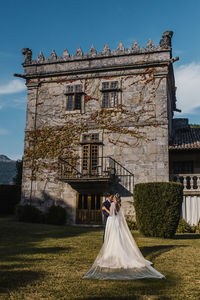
191	182
98	169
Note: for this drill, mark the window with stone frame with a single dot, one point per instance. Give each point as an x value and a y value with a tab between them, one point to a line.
110	94
74	97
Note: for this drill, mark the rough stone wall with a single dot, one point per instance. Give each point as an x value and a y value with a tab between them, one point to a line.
135	133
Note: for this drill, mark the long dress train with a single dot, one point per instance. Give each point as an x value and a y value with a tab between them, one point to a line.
120	257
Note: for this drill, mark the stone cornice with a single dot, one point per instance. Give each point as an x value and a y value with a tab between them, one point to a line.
123	67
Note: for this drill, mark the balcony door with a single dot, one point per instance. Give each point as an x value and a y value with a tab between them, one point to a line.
90	159
88	209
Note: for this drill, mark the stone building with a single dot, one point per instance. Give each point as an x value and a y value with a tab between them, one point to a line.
184	166
97	122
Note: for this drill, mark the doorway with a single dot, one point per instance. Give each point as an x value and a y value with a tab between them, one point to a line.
88	209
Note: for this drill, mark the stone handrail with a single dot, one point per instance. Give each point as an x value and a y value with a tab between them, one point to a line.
191	182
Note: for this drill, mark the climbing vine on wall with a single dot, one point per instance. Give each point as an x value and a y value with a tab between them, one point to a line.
45	145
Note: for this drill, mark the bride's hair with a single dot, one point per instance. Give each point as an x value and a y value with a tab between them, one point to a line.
118	204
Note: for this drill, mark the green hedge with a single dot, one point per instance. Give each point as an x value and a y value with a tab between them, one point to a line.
9	196
184	227
29	213
56	215
158	207
132	224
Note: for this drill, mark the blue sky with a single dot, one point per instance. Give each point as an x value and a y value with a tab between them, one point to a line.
59	24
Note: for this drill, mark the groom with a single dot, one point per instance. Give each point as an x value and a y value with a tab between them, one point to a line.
107	205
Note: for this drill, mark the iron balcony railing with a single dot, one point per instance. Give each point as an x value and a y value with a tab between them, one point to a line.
74	169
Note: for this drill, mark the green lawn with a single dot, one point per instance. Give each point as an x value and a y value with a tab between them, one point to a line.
40	261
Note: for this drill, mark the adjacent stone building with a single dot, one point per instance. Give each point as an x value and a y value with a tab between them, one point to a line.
97	122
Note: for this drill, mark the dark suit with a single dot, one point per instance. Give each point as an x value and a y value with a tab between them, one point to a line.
107	205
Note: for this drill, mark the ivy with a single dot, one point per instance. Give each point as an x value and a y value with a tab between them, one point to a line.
45	145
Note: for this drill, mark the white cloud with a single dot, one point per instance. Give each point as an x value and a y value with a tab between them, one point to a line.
3	131
19	103
12	87
187	78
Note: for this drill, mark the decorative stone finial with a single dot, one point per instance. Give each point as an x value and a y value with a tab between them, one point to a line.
106	50
150	45
113	52
142	50
79	52
65	54
165	42
135	47
127	51
40	58
53	56
120	48
27	55
92	51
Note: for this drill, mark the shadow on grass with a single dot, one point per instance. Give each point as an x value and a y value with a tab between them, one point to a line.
13	279
36	231
155	251
186	236
123	298
19	250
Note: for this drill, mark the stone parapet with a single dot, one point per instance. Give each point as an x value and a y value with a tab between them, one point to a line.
122	58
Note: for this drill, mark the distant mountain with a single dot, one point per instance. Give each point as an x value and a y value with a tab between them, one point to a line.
4	158
7	169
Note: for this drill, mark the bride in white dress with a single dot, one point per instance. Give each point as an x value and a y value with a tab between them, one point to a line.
120	257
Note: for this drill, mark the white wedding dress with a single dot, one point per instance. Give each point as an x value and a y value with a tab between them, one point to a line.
120	257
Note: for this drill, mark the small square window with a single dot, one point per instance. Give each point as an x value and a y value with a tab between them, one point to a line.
70	88
113	84
113	99
74	97
110	94
70	102
78	88
105	85
95	137
77	104
105	102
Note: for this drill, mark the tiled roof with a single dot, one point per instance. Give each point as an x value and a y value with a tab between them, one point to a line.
186	138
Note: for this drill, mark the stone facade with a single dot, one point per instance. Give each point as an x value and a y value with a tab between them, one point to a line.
134	129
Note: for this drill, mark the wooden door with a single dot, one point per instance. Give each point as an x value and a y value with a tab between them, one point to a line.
88	209
90	159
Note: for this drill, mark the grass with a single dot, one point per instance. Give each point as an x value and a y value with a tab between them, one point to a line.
40	261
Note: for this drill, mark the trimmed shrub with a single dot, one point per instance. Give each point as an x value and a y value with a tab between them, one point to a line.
158	207
28	213
132	224
56	215
184	227
197	227
9	196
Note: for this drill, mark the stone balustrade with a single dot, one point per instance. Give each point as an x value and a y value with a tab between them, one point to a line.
191	183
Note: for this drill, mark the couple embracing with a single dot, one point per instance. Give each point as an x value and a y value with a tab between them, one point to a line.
106	208
119	257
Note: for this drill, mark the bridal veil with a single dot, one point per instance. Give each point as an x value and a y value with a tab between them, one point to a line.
120	257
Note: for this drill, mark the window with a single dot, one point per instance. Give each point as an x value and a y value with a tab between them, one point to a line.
90	137
110	92
74	96
90	159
